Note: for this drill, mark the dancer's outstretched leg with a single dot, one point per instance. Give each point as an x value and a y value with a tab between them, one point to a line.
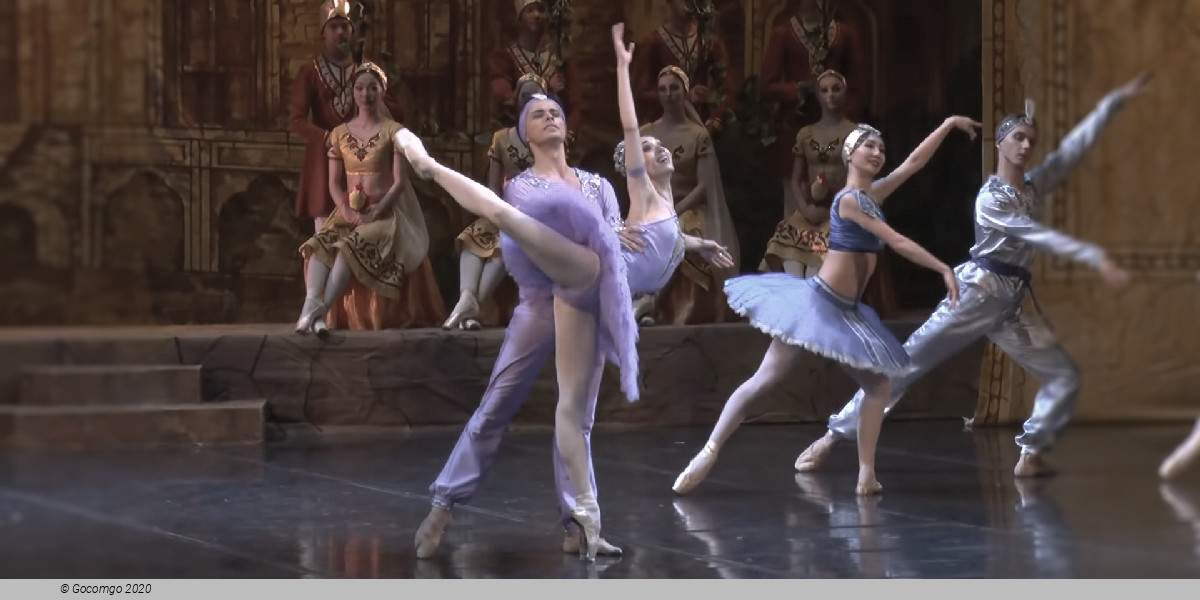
877	390
947	331
574	359
779	359
1183	456
568	264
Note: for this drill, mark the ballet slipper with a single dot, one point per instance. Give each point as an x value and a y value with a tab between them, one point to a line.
1183	456
1033	465
574	539
414	151
587	518
429	535
312	310
816	454
696	470
868	486
466	308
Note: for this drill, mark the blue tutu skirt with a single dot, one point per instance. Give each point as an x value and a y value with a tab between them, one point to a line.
807	313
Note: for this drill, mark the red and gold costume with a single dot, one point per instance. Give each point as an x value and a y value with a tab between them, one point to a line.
393	285
796	54
322	98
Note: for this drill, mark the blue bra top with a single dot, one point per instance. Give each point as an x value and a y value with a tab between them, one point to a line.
848	236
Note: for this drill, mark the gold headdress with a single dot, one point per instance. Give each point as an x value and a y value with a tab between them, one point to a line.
831	73
374	69
676	71
334	9
1007	125
855	139
533	77
521	4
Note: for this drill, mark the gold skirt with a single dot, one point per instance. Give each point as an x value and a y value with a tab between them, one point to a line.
480	238
796	239
369	250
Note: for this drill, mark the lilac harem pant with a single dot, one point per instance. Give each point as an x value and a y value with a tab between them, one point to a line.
528	344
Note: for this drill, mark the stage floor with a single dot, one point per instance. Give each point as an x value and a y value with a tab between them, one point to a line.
331	506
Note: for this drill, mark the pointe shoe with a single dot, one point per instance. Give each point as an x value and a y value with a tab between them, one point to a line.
414	151
696	470
815	454
312	310
321	328
466	308
587	517
1032	465
868	485
429	535
574	539
1182	457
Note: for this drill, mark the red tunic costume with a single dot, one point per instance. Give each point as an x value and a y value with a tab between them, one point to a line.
795	55
506	65
662	48
321	99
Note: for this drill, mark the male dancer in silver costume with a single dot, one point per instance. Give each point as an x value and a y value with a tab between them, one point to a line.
994	282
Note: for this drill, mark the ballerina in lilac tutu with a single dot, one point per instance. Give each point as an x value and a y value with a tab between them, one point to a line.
557	242
824	314
651	203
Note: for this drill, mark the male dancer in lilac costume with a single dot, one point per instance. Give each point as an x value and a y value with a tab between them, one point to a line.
528	343
995	281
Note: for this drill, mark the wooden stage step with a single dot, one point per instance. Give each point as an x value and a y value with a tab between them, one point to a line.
415	378
123	424
102	385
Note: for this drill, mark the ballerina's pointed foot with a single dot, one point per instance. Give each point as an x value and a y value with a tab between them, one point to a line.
1033	465
587	518
467	309
868	486
1183	457
321	328
816	454
429	535
414	151
312	312
696	470
576	539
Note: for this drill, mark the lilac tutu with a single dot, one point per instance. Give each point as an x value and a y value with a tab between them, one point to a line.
565	210
807	313
651	269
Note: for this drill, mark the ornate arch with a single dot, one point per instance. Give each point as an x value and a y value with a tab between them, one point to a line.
53	231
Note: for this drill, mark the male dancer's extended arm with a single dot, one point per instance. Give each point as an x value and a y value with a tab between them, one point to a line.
1055	168
999	211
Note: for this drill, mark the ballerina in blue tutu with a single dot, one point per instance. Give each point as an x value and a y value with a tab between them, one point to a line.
824	314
